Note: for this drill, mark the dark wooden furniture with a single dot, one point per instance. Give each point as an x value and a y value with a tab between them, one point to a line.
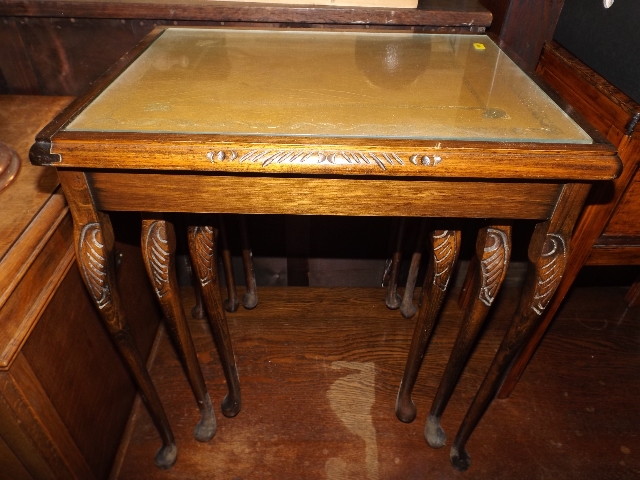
608	232
524	25
59	47
60	375
350	124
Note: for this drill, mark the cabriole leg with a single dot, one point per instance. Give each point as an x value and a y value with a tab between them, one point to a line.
202	247
407	308
493	250
250	298
445	248
231	303
94	253
548	253
197	311
393	300
158	250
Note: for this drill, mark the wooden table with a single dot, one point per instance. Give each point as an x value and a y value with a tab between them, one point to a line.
338	123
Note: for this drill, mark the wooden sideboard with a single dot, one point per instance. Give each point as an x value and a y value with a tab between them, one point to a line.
65	395
59	47
608	232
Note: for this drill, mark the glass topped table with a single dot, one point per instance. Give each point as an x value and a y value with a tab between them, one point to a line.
332	123
328	84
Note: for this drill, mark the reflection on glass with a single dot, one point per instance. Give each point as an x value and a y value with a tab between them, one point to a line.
390	63
342	84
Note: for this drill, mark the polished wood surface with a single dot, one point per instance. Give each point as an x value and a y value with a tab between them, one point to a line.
28	295
90	385
602	104
616	116
624	222
361	196
14	61
31	410
320	384
628	253
432	12
21	117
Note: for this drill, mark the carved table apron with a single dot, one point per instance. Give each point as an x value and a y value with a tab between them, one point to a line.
324	123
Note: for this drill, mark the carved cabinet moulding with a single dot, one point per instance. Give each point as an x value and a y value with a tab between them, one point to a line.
337	157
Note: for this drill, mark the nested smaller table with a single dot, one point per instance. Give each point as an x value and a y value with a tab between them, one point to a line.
324	122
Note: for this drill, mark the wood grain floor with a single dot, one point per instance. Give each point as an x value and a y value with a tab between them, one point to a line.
320	370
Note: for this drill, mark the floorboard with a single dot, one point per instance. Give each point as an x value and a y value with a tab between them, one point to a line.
320	370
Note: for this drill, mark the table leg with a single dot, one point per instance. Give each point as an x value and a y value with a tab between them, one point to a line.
197	311
95	256
407	308
467	286
445	248
158	250
493	250
548	253
202	247
393	299
231	303
250	298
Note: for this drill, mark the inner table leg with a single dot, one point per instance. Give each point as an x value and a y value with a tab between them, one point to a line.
445	249
548	253
250	297
95	256
467	286
493	250
393	299
158	250
202	247
197	311
231	303
407	308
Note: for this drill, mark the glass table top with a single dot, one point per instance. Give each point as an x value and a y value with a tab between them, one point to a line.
328	84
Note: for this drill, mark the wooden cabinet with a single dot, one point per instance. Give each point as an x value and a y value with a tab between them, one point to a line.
65	395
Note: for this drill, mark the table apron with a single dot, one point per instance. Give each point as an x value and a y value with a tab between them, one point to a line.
198	193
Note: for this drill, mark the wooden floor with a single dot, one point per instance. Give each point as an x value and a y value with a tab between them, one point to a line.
320	369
